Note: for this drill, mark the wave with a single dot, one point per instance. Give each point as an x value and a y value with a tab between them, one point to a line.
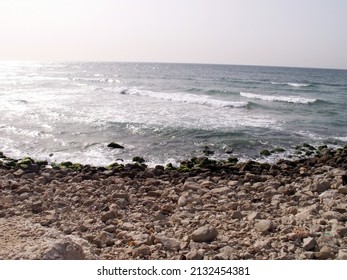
291	84
343	139
96	80
271	98
183	98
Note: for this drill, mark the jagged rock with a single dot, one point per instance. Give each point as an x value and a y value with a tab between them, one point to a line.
309	244
107	216
254	216
31	241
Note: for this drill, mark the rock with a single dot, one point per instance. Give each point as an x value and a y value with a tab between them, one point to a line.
19	172
170	244
24	239
64	249
342	190
114	145
309	243
254	216
138	159
263	226
104	239
262	245
141	238
107	216
220	191
342	231
183	199
110	228
320	186
236	215
194	255
342	255
265	153
325	253
204	234
225	253
141	251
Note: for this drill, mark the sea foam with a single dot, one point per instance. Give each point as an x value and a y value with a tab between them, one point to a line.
291	84
271	98
182	97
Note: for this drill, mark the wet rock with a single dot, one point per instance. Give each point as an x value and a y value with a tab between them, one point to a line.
114	145
204	234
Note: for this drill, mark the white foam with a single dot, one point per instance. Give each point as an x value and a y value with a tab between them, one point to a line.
344	139
272	98
291	84
183	97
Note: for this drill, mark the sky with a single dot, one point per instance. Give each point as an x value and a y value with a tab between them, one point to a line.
303	33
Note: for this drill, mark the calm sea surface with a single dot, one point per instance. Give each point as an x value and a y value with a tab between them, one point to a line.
166	112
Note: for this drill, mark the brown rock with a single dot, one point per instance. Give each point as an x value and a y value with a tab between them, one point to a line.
309	244
263	226
342	190
204	234
107	216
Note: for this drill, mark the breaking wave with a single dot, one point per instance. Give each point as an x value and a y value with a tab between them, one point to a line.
271	98
291	84
183	97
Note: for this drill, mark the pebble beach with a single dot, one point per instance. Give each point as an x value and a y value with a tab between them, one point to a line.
211	210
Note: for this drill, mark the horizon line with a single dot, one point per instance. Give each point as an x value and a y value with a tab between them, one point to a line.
161	62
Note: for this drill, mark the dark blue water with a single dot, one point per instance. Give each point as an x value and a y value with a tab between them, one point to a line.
166	112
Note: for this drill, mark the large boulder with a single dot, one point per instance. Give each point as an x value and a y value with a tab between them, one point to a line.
23	239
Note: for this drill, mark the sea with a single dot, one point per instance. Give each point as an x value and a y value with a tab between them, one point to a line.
71	111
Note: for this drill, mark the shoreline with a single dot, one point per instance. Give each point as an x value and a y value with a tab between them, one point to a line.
204	209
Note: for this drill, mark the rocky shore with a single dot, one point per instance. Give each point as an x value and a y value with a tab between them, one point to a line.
202	210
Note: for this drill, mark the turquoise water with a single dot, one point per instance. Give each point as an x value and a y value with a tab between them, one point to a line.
166	112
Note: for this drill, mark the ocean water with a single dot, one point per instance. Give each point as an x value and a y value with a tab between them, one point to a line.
166	112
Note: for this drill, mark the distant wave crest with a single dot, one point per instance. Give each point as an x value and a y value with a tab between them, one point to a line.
271	98
183	97
291	84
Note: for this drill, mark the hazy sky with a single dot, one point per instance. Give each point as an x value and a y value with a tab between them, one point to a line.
257	32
